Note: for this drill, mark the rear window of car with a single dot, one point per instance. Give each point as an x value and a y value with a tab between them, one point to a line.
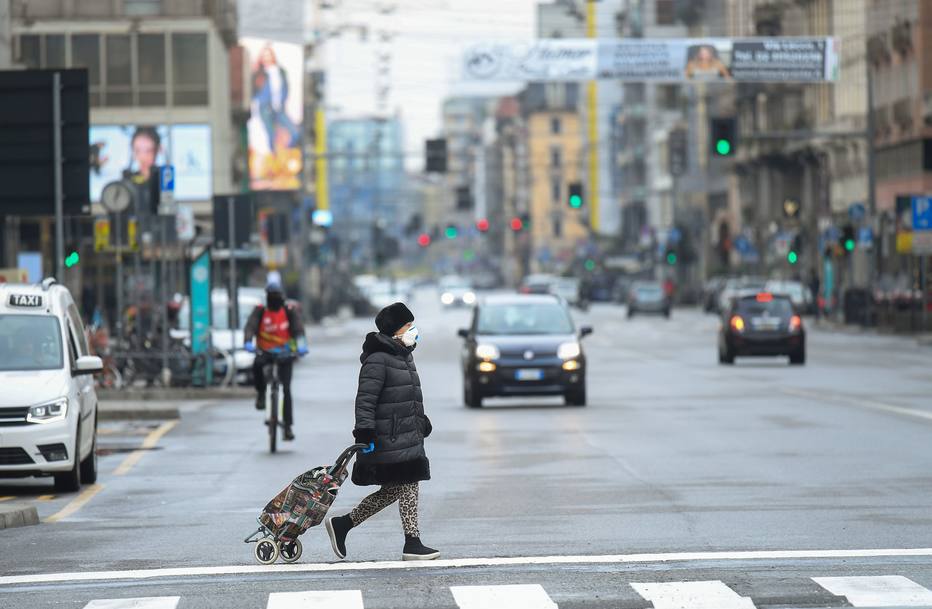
530	318
752	307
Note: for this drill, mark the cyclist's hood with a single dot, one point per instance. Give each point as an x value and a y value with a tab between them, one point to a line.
376	342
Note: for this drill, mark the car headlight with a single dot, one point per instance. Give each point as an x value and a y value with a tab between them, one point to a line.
487	352
469	297
48	413
568	351
446	298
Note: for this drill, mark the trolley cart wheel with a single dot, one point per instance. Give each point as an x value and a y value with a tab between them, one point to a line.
267	551
291	551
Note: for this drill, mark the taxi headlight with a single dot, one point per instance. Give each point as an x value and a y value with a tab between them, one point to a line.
48	413
487	352
446	298
469	297
568	351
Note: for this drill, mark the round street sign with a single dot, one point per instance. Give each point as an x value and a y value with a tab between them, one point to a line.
116	197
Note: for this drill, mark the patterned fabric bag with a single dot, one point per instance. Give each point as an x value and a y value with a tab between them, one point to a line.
303	503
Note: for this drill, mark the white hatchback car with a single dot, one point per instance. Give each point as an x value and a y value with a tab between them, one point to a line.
48	406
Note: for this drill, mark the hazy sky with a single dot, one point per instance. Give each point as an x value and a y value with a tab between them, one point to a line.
428	38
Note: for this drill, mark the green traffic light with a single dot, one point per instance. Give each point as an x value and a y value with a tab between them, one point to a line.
671	258
792	257
72	259
723	147
590	264
450	232
849	245
575	201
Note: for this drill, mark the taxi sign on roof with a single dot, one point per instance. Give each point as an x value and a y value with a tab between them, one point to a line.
25	300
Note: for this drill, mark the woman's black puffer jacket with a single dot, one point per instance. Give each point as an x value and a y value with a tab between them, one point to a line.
390	412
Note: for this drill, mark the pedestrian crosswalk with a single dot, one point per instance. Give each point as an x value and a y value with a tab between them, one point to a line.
855	591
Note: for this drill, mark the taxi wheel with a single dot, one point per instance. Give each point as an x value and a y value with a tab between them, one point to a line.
70	481
89	465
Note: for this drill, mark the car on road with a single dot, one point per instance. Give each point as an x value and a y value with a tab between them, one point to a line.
648	297
799	294
523	345
537	283
738	286
48	408
566	288
762	324
711	292
456	291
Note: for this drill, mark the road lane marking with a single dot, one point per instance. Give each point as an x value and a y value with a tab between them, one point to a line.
877	591
531	596
45	497
333	599
869	404
76	504
148	602
693	595
6	498
43	578
151	440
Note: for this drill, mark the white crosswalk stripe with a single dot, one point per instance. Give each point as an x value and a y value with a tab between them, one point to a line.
148	602
519	596
693	595
332	599
877	591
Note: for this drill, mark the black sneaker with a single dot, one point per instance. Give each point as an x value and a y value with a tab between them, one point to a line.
289	435
337	528
260	402
415	550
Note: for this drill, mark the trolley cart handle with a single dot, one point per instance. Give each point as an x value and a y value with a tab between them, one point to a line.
345	456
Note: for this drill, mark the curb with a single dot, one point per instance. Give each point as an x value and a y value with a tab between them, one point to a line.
136	414
18	516
168	395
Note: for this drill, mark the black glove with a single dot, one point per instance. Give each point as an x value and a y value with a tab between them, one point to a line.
427	426
364	436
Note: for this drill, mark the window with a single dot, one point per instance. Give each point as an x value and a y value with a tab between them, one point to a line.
556	190
30	342
555	125
557	227
669	96
150	69
54	51
142	8
189	63
85	53
119	91
556	156
29	54
666	12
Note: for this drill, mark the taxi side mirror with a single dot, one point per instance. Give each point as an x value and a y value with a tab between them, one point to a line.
463	333
87	364
585	331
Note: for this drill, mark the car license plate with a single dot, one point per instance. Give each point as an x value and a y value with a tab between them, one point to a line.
529	374
765	323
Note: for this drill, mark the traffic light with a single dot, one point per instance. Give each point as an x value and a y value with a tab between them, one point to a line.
463	198
677	150
722	136
451	231
423	239
846	240
792	256
436	156
482	225
575	192
671	256
517	225
72	259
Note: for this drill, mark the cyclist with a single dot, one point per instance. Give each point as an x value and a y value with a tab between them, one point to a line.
275	327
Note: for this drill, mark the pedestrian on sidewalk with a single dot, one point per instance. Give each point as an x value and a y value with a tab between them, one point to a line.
390	419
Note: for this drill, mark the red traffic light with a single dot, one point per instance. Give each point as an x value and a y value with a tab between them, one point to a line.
516	224
423	239
482	224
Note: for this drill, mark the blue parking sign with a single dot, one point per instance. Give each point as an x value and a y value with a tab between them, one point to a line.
167	178
922	213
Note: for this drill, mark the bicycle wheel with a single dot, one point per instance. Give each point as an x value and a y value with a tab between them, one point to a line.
273	416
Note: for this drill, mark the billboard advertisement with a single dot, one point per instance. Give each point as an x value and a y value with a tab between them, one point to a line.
136	152
663	59
276	113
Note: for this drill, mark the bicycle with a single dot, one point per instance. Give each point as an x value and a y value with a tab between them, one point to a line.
274	392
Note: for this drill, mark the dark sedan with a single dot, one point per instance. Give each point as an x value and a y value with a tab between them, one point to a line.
648	297
523	345
762	324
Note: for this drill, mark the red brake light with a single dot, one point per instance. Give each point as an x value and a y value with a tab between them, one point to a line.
737	323
796	323
765	297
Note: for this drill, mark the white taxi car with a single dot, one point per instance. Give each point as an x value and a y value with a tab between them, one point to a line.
48	406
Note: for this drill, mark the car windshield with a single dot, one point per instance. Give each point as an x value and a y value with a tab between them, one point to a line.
30	342
648	291
778	307
793	290
524	318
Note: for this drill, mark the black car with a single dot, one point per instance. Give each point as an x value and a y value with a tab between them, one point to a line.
523	345
762	324
648	297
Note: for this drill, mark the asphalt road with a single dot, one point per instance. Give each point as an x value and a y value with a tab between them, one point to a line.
674	471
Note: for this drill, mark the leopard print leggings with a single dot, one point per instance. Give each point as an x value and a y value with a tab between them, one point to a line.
404	494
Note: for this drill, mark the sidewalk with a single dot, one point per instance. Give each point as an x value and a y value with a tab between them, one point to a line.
828	325
17	515
163	404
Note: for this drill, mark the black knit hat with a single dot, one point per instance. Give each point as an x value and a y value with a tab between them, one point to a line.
392	317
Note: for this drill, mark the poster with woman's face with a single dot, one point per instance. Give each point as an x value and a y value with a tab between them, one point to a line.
276	113
705	62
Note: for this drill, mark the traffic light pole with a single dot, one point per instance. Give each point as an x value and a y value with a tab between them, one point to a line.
57	159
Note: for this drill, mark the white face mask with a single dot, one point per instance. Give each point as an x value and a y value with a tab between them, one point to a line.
410	336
